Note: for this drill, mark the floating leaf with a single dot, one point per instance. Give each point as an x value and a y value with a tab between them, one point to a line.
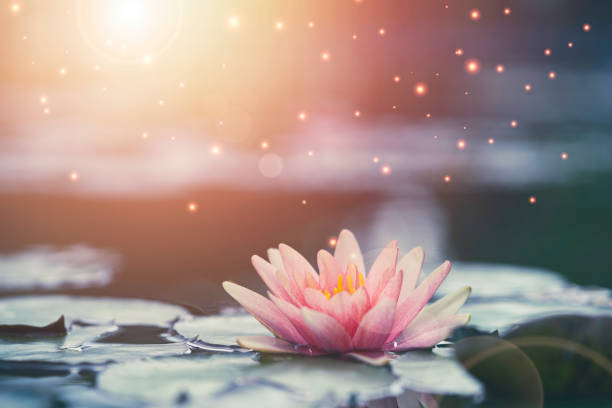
40	310
222	330
432	372
55	329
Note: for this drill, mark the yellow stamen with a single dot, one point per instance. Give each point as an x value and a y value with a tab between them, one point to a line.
339	284
349	283
327	295
361	279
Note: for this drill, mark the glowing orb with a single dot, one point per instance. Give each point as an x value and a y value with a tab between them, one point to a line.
279	25
586	27
192	207
396	79
472	66
357	113
461	144
527	87
332	242
514	123
15	8
74	176
43	99
264	145
382	31
552	75
125	30
570	44
420	89
215	150
563	156
547	52
385	170
474	14
325	56
459	51
447	179
507	11
302	116
375	159
491	140
233	22
532	200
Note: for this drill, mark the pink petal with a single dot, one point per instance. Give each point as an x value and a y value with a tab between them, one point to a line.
296	265
316	300
339	309
359	304
383	268
409	308
275	258
394	286
266	344
347	251
330	333
375	326
375	358
411	264
264	311
267	273
439	310
430	338
328	270
292	289
294	315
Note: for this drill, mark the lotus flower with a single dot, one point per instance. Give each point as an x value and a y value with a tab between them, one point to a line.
342	309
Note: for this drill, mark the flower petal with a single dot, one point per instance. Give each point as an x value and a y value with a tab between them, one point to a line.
375	326
330	334
294	314
382	270
394	286
267	273
411	264
328	270
275	259
439	310
316	300
375	358
339	309
264	311
409	308
266	344
296	265
347	251
429	338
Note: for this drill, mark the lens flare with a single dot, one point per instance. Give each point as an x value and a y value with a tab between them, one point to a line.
474	14
420	89
500	68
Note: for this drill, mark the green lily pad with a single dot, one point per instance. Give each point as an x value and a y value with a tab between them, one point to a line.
239	379
42	310
435	373
222	330
502	314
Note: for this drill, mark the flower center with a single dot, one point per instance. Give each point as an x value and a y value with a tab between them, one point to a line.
345	282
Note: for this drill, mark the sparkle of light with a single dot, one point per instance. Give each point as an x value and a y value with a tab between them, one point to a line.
43	99
375	159
233	22
514	123
461	143
507	11
192	207
302	116
63	71
547	52
396	79
586	27
552	75
332	242
215	149
15	7
385	170
472	66
74	176
474	14
279	25
382	31
563	156
532	200
491	140
420	89
500	68
264	145
528	87
325	56
447	179
357	113
459	51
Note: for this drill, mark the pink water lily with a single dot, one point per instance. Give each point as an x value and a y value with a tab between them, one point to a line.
342	309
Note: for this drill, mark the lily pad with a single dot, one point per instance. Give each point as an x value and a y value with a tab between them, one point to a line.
222	329
503	314
434	373
44	309
49	268
490	280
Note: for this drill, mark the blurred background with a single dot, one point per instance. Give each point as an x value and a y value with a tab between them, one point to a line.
162	143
